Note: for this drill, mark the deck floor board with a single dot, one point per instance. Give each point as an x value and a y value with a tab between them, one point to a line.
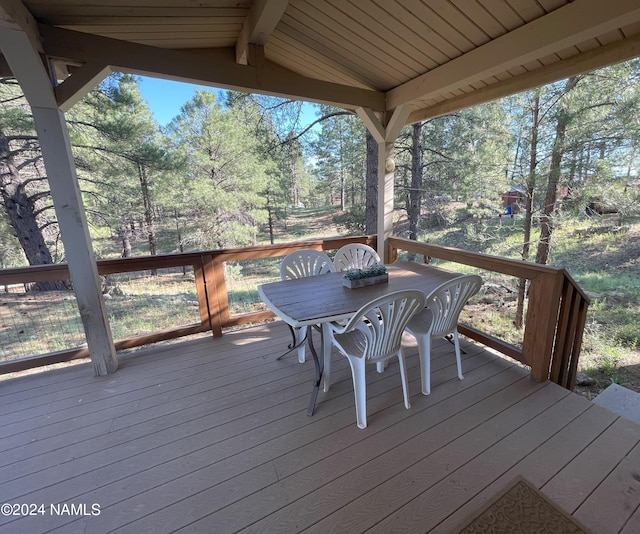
211	435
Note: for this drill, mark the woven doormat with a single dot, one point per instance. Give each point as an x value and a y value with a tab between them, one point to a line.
521	509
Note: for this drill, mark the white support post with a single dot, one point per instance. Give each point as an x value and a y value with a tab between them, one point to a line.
386	178
56	151
54	141
385	133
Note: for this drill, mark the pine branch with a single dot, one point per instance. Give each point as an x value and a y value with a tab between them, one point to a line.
317	121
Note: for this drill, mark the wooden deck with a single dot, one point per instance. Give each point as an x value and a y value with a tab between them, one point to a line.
212	436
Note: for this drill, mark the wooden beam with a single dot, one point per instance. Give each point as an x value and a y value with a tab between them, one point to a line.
217	68
372	123
567	26
14	15
76	86
262	19
397	122
26	65
593	59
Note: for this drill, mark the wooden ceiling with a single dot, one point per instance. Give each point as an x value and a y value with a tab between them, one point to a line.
434	55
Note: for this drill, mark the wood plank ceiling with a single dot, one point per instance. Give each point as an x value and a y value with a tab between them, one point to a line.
436	55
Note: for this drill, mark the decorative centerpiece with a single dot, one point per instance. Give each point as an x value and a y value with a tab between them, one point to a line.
376	274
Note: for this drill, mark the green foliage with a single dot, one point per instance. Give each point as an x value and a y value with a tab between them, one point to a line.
220	191
352	221
377	269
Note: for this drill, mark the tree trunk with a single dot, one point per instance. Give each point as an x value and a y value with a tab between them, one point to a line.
270	218
546	221
148	209
20	209
415	191
371	212
125	237
176	216
531	183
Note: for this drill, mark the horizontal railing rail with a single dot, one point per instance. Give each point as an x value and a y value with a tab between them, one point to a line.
210	285
556	311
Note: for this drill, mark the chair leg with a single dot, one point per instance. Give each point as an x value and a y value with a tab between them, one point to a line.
359	389
424	350
380	366
327	345
403	377
456	342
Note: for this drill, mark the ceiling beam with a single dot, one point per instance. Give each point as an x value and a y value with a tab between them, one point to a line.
596	58
567	26
216	68
262	19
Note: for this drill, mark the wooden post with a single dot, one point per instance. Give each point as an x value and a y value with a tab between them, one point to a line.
386	166
221	291
385	133
54	140
212	285
540	329
199	271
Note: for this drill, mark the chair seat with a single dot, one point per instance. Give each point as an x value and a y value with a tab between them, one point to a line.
353	342
421	323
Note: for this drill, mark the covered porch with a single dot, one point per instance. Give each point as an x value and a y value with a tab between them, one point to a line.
211	435
391	65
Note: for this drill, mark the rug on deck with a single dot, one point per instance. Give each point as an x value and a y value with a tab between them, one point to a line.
521	509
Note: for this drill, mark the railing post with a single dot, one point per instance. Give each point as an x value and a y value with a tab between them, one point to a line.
202	291
392	251
221	291
208	298
539	334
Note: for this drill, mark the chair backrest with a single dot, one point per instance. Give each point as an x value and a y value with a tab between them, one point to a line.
447	300
383	320
355	256
305	262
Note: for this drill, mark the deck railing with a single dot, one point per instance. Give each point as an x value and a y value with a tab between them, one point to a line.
555	319
556	311
210	289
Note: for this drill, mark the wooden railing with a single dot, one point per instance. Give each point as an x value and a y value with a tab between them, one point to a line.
556	311
211	290
555	319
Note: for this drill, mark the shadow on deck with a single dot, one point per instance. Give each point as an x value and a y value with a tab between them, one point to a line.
213	436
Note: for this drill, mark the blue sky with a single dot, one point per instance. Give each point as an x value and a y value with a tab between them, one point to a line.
165	97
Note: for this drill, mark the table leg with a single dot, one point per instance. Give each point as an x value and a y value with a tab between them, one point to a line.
319	368
295	344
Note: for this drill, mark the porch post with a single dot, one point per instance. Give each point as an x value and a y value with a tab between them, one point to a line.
26	65
386	179
385	133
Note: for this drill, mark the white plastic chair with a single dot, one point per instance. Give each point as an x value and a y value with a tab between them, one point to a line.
374	334
300	264
440	318
355	256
